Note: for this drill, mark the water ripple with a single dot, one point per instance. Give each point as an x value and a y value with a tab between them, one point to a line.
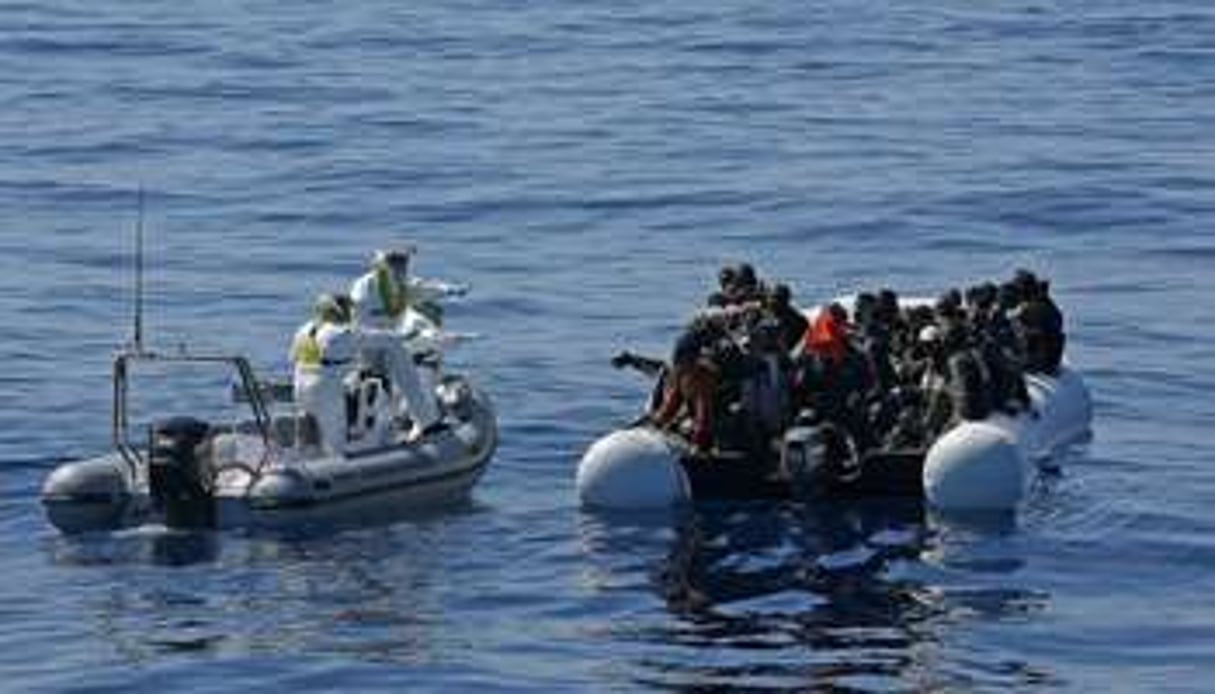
588	169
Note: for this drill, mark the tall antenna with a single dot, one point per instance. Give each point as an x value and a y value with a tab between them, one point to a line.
139	276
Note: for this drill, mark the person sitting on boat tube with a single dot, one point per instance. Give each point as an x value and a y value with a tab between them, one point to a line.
382	299
323	351
691	385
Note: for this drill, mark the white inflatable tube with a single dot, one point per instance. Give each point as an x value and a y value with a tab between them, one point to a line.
976	466
632	469
986	466
1065	413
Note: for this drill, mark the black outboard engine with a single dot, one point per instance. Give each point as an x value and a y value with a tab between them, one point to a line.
179	476
820	460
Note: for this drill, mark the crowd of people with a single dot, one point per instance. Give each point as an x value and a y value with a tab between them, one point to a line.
892	375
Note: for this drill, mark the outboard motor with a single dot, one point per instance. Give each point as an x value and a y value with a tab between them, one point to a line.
819	459
802	457
179	476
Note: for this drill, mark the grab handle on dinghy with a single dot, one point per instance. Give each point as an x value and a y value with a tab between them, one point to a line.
252	394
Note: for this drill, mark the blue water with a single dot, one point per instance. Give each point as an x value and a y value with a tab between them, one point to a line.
587	169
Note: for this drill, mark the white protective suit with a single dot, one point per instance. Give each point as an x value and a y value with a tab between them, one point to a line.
323	354
383	340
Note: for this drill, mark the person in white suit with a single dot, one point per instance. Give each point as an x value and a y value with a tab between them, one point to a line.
382	299
323	352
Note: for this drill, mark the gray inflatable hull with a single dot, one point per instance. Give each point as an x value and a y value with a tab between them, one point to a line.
105	493
976	466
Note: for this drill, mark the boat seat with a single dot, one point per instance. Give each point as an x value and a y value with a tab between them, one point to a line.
368	406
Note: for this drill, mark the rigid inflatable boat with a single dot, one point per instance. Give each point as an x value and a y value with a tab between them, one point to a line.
266	470
983	465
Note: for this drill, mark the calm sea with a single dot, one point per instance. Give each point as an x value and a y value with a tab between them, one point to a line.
587	167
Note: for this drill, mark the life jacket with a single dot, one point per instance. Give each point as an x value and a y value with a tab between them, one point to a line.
827	338
307	350
321	345
391	294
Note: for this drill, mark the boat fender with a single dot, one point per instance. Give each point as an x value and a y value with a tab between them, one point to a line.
635	469
976	466
87	495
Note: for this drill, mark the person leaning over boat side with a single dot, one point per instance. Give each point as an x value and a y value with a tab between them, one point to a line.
381	299
323	350
692	383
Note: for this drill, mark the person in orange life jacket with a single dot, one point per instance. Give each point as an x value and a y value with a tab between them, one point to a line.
323	352
692	384
827	336
382	297
837	378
